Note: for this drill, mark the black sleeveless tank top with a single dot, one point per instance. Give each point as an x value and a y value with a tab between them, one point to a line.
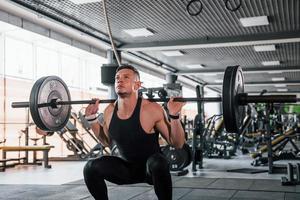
134	144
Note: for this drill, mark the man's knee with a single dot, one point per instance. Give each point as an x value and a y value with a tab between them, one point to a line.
157	163
94	166
89	167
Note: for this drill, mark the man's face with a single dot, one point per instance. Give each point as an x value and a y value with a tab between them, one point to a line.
126	82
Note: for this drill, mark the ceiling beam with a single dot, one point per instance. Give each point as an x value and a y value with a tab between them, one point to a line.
261	83
246	40
275	92
249	70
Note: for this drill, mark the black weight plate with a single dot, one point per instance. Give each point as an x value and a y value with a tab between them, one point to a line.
43	91
33	106
233	85
175	158
178	158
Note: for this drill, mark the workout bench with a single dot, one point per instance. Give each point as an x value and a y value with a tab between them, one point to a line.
45	149
275	142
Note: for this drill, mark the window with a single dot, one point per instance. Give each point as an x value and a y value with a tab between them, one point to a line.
71	71
93	74
18	58
150	81
47	62
1	55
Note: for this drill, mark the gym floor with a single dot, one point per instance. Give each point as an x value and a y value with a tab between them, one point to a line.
65	181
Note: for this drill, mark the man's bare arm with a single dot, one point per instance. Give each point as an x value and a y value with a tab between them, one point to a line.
177	136
172	131
100	134
100	130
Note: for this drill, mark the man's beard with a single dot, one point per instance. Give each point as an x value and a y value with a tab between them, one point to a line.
123	94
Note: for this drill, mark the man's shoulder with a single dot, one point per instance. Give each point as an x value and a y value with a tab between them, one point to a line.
109	108
108	112
146	104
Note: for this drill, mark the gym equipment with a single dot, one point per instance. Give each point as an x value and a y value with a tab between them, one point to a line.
78	142
98	149
24	161
50	101
291	179
276	141
115	150
199	124
178	158
74	142
3	141
278	145
298	172
217	142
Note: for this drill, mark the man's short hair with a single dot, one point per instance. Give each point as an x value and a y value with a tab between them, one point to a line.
128	66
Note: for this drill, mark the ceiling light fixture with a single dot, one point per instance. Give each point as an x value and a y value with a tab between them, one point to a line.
270	63
260	48
84	1
280	85
173	53
278	79
282	90
218	81
195	66
210	74
254	21
139	32
275	72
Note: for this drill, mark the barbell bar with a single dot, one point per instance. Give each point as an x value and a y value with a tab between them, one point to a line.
50	101
57	102
244	99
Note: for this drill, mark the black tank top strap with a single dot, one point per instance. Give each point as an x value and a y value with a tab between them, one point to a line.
137	109
115	110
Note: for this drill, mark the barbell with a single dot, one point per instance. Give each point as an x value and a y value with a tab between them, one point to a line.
50	101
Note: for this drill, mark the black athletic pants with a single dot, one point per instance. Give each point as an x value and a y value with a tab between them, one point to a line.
116	170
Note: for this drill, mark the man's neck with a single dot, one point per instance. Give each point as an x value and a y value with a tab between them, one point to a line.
126	105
